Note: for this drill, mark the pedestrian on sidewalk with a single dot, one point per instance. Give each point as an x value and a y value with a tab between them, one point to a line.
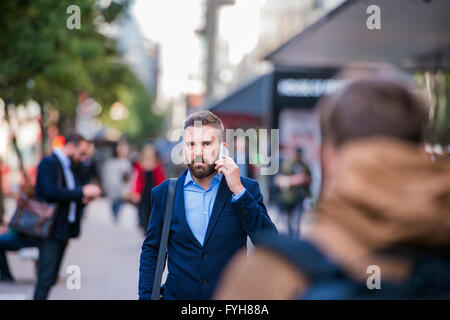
215	209
69	197
116	177
148	173
293	182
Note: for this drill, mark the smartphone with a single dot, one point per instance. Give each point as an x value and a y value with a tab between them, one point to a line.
223	151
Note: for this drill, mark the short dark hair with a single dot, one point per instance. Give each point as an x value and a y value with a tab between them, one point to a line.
207	118
372	106
74	138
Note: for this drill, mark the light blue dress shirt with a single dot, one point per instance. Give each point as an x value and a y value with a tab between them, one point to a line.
70	180
199	203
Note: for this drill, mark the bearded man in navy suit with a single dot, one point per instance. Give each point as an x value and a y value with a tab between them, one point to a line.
215	209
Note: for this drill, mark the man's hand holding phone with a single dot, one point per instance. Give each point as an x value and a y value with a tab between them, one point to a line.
225	165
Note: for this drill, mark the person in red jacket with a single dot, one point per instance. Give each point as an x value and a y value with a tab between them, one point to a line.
147	174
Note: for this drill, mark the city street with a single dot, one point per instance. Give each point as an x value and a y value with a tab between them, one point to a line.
107	254
338	111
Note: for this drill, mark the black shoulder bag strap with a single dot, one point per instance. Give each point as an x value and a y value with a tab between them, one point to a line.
162	252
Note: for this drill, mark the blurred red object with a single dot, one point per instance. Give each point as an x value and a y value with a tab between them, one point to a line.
138	180
58	142
4	173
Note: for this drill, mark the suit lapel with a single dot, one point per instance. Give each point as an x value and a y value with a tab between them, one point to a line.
180	210
60	177
223	195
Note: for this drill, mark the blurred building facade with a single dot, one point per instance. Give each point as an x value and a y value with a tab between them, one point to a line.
248	31
139	52
141	55
208	48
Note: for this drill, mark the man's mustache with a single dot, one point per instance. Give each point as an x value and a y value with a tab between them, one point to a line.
200	160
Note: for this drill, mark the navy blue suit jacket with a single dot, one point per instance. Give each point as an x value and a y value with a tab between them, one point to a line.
51	187
195	269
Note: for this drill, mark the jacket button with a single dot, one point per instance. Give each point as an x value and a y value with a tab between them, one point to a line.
204	282
203	255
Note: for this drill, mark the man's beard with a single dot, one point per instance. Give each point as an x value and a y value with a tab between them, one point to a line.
203	171
73	161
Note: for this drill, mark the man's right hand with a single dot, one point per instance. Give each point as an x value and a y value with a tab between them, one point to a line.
91	191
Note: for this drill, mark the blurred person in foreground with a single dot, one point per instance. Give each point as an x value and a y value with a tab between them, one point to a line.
116	175
148	173
215	209
384	206
56	183
293	183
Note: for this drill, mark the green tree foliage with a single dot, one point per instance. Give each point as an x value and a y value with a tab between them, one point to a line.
36	44
41	59
142	123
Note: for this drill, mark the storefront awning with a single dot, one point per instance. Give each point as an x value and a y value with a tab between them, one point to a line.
414	34
252	99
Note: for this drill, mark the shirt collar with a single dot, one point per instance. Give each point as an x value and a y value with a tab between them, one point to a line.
188	177
217	177
62	157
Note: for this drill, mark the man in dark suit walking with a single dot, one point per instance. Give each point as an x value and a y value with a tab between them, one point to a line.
56	183
215	209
